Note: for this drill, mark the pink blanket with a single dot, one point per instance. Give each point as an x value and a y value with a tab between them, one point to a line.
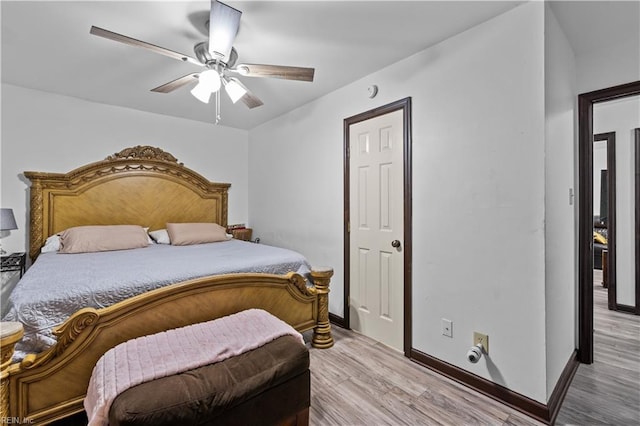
174	351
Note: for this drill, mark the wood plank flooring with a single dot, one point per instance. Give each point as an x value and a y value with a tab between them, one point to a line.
607	392
362	382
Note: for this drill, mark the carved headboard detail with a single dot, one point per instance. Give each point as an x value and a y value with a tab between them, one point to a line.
144	152
142	185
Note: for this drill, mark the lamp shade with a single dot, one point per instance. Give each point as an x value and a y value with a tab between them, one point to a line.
201	93
7	220
235	89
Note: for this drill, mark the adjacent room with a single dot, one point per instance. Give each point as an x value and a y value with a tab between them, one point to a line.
428	212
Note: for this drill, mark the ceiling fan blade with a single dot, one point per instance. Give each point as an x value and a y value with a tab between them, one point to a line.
224	22
101	32
176	84
275	71
239	92
251	100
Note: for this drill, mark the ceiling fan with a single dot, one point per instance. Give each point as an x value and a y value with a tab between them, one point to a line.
219	57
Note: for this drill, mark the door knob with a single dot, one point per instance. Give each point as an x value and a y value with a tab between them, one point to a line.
395	243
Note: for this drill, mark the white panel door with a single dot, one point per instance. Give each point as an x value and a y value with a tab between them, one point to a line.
376	223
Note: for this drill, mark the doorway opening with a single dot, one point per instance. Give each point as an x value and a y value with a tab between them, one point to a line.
586	102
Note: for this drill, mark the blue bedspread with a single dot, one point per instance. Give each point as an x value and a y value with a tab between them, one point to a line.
57	285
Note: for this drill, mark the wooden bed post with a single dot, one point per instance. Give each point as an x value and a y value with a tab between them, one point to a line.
36	239
10	334
322	333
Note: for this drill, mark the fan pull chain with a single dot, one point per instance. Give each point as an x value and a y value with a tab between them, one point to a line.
217	107
218	93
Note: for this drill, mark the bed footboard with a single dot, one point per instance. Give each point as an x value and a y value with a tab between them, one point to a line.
52	385
10	334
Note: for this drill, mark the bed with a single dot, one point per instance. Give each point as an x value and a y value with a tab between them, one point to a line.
144	186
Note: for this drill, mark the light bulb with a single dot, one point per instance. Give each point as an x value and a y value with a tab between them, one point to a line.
211	80
208	83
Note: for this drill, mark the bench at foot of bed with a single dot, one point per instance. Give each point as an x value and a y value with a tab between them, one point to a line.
269	385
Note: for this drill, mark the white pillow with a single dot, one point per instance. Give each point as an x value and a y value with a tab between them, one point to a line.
161	236
51	245
149	239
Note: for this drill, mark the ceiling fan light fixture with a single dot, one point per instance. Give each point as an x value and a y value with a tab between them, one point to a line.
211	80
234	89
201	93
208	83
218	56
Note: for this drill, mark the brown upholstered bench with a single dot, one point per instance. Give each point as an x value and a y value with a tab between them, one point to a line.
269	385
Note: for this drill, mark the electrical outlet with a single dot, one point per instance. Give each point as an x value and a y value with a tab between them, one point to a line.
482	339
447	327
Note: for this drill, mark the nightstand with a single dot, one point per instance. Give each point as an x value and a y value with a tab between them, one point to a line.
13	262
242	234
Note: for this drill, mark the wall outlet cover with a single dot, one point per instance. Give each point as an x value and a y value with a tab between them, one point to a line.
481	338
447	327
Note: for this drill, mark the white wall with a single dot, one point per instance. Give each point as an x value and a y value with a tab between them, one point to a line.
622	116
610	66
560	217
478	191
52	133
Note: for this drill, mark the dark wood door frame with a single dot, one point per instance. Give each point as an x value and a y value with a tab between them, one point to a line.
636	133
585	210
405	106
610	138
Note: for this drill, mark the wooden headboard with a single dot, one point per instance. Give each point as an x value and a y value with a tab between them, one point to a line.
142	185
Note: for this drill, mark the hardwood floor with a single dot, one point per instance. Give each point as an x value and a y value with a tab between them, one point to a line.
607	392
363	382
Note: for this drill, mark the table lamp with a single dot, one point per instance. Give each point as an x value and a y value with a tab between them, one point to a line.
7	223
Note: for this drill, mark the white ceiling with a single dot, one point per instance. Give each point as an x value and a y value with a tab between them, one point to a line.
592	25
46	45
